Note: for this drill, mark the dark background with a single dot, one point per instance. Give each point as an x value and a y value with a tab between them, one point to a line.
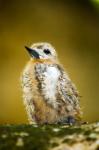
71	26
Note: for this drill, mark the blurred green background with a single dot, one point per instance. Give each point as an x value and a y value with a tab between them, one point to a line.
71	26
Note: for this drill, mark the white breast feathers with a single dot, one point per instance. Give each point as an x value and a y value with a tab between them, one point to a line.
49	82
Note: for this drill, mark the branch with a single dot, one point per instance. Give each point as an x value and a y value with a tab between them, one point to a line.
49	137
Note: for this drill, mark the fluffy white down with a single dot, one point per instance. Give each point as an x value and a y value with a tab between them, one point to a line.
51	79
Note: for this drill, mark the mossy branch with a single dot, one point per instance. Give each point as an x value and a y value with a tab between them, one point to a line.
49	137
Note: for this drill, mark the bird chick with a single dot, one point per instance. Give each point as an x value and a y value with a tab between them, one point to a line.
50	97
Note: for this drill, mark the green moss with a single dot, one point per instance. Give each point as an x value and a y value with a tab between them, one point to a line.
54	144
69	141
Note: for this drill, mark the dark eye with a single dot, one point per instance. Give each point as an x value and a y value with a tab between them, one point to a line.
46	51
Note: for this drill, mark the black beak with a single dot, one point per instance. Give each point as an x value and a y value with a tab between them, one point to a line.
32	52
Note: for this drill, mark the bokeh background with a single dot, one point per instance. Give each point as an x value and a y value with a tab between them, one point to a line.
72	26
